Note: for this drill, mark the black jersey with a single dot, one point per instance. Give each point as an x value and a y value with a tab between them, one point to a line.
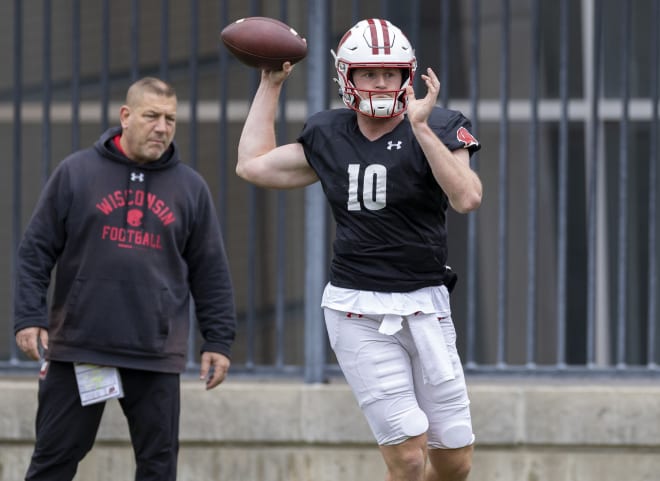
390	212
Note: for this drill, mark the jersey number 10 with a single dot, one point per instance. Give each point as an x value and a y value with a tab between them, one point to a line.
374	183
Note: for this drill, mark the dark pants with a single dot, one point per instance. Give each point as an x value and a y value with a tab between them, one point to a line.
66	430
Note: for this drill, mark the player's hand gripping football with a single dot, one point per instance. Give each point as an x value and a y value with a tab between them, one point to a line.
419	109
277	77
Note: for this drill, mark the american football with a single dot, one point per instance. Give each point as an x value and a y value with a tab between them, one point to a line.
263	42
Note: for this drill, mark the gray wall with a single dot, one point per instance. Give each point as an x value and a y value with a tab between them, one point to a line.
289	431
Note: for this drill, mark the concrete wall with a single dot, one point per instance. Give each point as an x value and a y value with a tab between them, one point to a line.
526	430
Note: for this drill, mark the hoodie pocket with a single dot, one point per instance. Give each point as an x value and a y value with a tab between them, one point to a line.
115	314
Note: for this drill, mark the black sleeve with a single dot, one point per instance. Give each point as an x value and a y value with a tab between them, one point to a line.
454	129
38	251
210	279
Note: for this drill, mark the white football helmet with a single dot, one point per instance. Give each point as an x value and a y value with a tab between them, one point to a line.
374	43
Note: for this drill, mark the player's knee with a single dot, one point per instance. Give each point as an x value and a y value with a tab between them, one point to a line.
457	436
454	464
414	423
462	469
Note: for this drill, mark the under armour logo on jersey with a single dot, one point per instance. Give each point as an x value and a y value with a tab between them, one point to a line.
394	145
137	177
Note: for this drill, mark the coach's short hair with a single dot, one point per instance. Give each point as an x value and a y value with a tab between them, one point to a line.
149	84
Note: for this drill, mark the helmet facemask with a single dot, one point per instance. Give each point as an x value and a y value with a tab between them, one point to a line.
374	43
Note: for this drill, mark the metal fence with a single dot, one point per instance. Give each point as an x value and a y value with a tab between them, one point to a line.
558	269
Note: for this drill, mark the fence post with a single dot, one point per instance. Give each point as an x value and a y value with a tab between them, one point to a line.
315	206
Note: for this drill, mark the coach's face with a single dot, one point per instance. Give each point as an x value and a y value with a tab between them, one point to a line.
148	126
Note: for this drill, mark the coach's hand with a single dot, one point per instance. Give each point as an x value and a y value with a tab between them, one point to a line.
29	340
214	368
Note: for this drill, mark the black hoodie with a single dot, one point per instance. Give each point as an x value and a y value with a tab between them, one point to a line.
131	244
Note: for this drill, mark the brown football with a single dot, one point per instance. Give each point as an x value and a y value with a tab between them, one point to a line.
263	42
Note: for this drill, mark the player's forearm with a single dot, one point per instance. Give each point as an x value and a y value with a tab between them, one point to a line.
451	170
258	136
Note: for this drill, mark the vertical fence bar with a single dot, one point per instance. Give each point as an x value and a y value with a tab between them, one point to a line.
135	40
415	23
223	124
445	42
75	75
194	78
503	175
165	39
105	63
17	156
622	247
411	28
47	84
355	12
562	183
592	201
315	206
384	9
281	271
653	186
250	309
281	239
532	183
471	267
193	67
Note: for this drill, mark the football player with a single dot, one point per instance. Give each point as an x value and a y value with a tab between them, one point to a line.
390	164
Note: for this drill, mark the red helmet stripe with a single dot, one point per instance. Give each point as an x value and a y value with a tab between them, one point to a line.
383	45
386	37
374	36
344	38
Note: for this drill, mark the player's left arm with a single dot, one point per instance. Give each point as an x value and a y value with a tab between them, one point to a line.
451	169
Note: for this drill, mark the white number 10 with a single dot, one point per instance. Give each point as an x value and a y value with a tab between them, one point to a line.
373	187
